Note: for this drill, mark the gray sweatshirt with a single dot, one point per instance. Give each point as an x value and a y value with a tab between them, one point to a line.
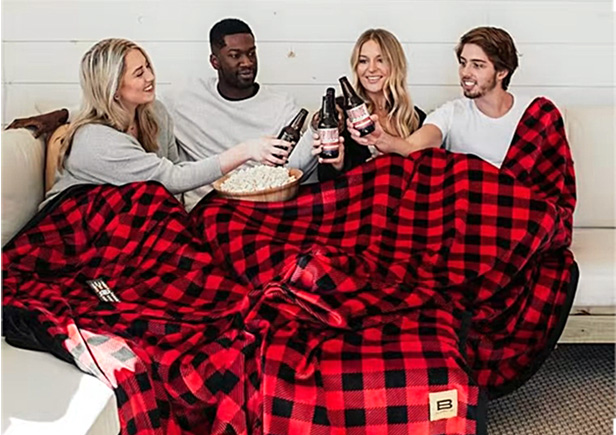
206	124
103	155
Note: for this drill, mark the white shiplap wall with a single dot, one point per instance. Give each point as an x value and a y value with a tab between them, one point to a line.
567	47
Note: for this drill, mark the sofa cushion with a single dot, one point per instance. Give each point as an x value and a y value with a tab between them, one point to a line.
23	160
590	130
45	395
594	250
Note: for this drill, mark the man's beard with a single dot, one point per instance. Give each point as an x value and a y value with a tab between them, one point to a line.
481	91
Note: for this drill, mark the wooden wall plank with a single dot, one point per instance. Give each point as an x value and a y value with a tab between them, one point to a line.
300	20
302	63
567	47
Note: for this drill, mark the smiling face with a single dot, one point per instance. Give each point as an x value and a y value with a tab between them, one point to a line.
236	62
478	77
372	67
137	85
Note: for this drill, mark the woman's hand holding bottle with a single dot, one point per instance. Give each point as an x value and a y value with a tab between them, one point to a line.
379	138
317	149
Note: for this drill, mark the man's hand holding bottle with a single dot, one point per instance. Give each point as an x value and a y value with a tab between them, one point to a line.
268	150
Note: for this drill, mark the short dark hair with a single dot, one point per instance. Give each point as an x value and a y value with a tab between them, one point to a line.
228	26
498	46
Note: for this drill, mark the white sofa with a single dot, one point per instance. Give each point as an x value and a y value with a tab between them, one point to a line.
591	133
35	406
42	394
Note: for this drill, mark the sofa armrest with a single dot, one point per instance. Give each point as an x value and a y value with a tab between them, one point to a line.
590	130
23	170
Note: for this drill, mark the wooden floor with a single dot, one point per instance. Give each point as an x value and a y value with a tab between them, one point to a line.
590	325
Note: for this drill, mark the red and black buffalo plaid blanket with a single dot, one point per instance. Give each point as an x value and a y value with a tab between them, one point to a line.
394	299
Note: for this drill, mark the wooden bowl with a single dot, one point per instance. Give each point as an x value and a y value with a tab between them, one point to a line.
273	194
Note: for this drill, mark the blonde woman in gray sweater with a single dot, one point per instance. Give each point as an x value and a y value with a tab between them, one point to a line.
123	134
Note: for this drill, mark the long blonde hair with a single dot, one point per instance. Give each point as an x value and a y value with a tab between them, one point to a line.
101	72
401	114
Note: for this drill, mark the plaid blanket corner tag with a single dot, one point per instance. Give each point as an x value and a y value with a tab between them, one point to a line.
102	290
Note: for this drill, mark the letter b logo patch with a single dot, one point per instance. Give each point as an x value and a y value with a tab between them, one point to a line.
443	404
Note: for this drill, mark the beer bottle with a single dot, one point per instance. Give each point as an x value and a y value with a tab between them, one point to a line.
331	93
292	132
328	127
356	109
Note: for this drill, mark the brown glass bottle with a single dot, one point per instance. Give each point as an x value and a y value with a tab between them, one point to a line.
328	127
292	132
356	109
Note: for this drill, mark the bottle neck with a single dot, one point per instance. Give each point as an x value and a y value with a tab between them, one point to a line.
351	98
347	89
328	108
328	119
298	121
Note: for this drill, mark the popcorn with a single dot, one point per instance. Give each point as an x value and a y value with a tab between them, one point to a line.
256	179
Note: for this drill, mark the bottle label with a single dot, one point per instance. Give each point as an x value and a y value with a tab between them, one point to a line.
286	137
329	137
360	118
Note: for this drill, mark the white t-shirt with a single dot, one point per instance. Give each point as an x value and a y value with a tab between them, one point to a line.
467	130
207	124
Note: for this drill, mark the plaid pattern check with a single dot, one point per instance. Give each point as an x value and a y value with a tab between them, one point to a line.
337	312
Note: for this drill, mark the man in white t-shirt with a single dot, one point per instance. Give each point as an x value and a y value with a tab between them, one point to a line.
213	114
484	121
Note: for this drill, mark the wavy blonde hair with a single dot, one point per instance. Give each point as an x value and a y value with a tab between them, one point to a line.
101	72
401	114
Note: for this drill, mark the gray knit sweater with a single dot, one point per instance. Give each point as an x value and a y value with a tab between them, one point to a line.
103	155
206	124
